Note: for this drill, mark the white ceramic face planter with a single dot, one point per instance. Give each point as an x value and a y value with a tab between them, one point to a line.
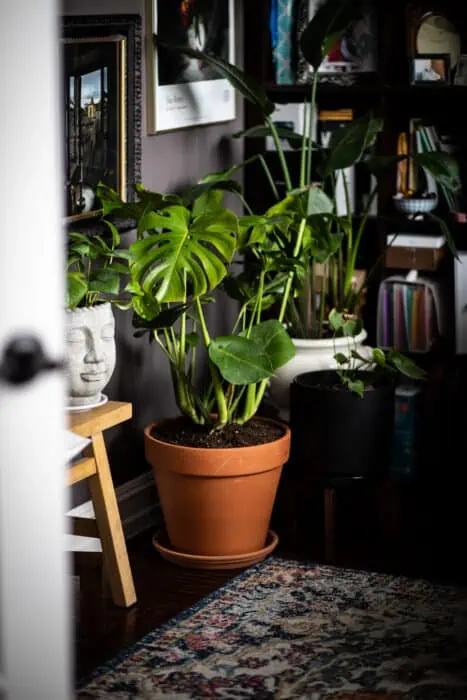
90	346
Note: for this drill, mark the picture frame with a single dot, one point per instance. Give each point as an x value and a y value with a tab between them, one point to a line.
460	74
95	121
430	69
95	29
181	91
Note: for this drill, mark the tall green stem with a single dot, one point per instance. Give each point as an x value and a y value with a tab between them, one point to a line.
280	153
222	412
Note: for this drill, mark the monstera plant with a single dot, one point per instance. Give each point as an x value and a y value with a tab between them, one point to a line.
217	466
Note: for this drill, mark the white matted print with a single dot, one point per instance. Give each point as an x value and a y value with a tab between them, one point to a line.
185	92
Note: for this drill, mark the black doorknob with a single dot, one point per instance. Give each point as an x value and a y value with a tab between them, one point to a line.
23	359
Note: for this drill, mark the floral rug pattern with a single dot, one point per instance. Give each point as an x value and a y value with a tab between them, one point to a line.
284	629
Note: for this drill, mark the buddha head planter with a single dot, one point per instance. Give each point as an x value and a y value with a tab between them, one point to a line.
90	349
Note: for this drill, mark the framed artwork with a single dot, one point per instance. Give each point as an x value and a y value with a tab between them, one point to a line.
95	121
182	91
430	69
102	114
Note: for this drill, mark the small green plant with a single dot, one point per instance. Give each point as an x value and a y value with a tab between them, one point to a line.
377	363
95	268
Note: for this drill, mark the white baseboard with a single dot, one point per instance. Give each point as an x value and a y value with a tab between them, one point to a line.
139	510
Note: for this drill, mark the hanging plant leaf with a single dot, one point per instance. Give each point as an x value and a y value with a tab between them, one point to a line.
76	289
349	142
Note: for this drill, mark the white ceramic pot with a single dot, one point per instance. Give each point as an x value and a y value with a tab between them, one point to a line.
310	356
90	352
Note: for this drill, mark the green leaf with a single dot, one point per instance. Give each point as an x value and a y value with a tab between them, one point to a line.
349	142
442	166
272	337
261	131
341	359
105	281
162	319
318	201
378	356
405	365
115	234
192	194
351	327
192	340
185	252
109	198
76	289
357	386
245	84
145	307
240	360
336	320
327	25
446	233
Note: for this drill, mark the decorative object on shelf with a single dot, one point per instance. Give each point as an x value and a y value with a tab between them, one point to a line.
435	34
90	353
415	205
282	16
409	316
102	78
183	90
95	270
353	52
460	75
430	69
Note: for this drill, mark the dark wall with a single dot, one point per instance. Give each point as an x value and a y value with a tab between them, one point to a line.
169	161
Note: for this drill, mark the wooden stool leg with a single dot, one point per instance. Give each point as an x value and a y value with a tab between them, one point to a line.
329	529
110	527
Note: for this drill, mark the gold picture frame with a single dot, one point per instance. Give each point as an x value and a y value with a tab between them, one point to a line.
95	121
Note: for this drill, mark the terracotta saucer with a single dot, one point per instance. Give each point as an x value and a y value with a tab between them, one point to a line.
195	561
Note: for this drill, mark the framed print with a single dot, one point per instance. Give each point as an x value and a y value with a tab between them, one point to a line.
102	107
182	91
95	121
430	69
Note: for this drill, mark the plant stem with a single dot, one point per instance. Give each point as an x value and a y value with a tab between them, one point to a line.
314	87
280	153
222	413
288	284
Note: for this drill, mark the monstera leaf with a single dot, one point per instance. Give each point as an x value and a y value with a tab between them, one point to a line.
185	252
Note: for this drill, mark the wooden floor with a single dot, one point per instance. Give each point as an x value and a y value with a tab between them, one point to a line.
163	589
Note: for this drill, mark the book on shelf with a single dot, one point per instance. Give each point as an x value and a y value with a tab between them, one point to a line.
409	314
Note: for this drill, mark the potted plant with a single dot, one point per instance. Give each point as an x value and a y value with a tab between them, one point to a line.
330	244
94	273
217	465
342	419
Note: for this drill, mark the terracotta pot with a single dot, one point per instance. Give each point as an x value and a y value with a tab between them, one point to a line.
217	502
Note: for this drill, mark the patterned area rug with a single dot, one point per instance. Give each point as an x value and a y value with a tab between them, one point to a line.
284	629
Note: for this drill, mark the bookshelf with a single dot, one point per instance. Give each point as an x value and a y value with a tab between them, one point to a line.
389	94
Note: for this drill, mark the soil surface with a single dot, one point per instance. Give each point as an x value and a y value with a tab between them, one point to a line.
182	432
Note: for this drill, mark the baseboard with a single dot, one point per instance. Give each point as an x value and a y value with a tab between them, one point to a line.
139	510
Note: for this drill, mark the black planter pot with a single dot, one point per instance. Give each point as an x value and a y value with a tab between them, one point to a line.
337	434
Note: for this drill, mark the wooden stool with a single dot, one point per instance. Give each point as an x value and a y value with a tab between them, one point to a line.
107	526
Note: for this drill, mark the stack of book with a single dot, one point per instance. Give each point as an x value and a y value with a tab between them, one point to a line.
408	315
